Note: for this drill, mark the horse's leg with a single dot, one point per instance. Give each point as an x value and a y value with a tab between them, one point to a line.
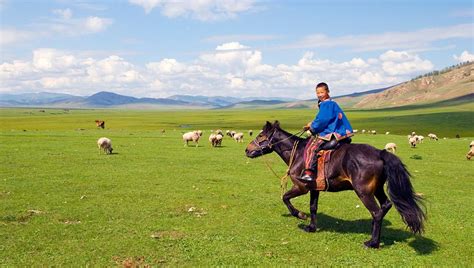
313	208
385	204
292	193
377	213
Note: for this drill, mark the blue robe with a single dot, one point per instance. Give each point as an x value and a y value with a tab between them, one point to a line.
331	121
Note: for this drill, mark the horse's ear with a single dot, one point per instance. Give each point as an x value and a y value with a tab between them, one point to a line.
276	124
268	125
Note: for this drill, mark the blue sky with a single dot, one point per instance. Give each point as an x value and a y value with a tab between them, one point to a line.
157	48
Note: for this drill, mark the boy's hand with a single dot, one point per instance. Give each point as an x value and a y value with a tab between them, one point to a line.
306	128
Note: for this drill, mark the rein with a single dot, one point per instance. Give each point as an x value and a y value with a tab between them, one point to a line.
284	178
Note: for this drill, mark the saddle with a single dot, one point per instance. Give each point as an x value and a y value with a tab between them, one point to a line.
321	180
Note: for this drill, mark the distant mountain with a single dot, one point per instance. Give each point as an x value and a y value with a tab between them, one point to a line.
441	86
40	98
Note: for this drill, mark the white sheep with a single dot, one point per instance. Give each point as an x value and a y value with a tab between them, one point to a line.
391	147
387	133
219	131
432	136
355	131
105	144
215	139
230	133
191	136
373	132
238	137
363	131
471	151
419	138
412	141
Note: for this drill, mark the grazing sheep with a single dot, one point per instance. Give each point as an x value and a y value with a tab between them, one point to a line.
105	144
250	133
419	138
432	136
218	140
471	151
219	132
230	133
373	132
386	133
215	139
191	136
355	131
391	147
238	137
412	141
363	131
413	133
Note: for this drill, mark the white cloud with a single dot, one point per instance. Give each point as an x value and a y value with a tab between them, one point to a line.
420	39
402	63
62	25
204	10
233	69
465	56
12	36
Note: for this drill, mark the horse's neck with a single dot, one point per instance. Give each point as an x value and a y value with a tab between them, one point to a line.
284	144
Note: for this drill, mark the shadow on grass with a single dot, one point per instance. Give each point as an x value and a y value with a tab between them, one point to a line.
388	237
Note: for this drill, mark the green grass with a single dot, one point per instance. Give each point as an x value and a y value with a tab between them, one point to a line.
156	202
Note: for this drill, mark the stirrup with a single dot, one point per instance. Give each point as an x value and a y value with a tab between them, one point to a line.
306	178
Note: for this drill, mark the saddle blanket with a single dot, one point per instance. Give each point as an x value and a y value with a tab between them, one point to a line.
321	181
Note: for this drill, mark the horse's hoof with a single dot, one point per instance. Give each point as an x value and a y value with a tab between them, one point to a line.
301	216
371	244
307	228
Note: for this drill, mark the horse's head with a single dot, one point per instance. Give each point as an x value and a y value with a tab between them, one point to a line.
262	144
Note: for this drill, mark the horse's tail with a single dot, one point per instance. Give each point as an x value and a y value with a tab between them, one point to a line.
401	193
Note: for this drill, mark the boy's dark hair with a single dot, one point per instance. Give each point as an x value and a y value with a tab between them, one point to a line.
323	85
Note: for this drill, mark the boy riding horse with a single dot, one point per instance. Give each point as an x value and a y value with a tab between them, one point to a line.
331	127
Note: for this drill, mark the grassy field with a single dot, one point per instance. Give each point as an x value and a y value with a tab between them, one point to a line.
156	202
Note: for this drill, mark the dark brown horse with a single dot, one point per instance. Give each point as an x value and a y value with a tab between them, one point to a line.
358	167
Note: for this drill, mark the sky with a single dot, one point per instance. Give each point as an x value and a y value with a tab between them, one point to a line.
238	48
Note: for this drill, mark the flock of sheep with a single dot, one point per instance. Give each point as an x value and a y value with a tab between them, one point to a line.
215	138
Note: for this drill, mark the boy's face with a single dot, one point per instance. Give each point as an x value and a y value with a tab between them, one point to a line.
322	93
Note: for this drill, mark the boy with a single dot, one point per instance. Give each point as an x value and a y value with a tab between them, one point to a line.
331	126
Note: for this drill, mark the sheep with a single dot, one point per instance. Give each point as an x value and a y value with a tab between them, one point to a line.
373	132
355	131
199	132
387	133
105	144
218	140
413	133
391	147
191	136
230	133
432	136
238	137
419	138
250	133
471	151
215	139
412	141
219	132
363	131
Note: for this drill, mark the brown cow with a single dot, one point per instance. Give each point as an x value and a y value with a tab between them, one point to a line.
100	123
